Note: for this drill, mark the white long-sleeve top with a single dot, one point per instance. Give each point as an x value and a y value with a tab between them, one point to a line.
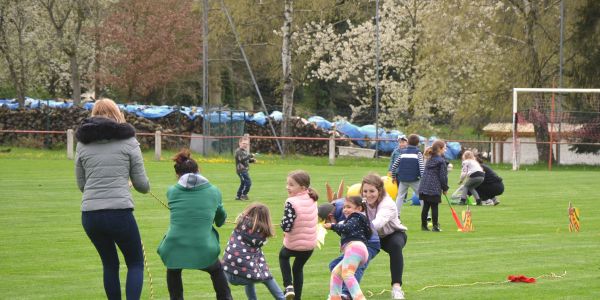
469	166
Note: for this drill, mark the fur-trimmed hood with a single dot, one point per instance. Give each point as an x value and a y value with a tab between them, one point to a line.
97	129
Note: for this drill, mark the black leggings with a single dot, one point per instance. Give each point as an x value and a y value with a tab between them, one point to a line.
219	281
297	270
434	213
393	244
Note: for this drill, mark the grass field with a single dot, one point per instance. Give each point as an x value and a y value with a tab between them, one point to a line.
45	254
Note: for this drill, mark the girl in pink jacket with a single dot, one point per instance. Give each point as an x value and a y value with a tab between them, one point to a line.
299	224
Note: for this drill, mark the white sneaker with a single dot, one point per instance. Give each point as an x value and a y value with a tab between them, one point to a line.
397	293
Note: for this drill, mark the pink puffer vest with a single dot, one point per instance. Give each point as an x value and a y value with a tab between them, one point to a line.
303	236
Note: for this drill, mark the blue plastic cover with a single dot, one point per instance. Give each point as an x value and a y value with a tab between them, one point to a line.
276	115
259	118
320	122
453	150
352	131
12	104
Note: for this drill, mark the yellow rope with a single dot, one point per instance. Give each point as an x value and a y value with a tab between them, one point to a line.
149	274
163	204
551	275
370	294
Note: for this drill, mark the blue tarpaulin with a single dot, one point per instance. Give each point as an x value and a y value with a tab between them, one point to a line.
154	112
321	122
352	131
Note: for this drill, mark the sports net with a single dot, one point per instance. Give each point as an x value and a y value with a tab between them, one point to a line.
556	128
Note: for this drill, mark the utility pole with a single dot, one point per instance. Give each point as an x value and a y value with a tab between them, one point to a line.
205	103
560	77
377	50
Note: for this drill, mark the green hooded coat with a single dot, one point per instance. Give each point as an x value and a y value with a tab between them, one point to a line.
191	241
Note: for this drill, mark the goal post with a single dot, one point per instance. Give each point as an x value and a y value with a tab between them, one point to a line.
516	91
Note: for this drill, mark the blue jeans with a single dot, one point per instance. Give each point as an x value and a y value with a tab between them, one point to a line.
249	286
359	271
108	229
245	184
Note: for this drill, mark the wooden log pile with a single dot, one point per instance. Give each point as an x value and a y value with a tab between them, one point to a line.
300	128
175	123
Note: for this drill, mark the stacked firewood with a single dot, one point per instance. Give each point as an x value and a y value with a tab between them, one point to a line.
172	124
300	129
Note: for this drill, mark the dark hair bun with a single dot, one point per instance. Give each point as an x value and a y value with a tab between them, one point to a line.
182	156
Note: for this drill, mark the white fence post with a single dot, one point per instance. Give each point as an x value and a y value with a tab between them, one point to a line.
157	145
331	150
70	143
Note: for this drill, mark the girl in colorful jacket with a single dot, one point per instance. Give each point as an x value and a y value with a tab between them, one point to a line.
244	262
354	233
299	224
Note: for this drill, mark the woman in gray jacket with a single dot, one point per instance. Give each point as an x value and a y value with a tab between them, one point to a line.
108	157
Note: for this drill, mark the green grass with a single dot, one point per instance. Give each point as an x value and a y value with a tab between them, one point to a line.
45	254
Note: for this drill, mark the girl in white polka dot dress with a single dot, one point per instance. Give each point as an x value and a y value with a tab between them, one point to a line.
243	261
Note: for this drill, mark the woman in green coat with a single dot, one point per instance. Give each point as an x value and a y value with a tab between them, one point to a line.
191	241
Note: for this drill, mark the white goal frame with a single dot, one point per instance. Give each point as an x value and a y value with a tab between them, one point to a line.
516	91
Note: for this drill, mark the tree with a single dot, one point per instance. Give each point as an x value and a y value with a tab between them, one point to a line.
15	26
67	18
148	44
535	44
432	53
286	62
585	73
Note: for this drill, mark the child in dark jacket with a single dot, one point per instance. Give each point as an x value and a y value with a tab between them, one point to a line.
408	169
243	260
354	233
243	158
433	183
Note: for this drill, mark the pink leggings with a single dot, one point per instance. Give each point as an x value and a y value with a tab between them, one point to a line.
355	254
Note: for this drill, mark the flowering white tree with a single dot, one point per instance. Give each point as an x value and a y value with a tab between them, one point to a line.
435	57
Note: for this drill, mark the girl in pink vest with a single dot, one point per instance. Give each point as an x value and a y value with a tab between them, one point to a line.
299	224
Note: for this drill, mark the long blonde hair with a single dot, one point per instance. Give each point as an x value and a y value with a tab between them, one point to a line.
468	155
259	216
108	109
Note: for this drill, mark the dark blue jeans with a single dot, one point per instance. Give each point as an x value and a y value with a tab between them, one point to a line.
245	184
248	284
108	229
360	270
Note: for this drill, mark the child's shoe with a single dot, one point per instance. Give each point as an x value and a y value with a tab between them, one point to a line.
397	293
238	198
436	228
424	228
289	292
463	202
245	197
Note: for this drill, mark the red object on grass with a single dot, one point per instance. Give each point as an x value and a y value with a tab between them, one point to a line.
521	278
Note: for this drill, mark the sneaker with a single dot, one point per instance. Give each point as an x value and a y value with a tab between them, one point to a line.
245	197
488	202
496	201
436	229
397	293
289	292
238	198
463	202
424	228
